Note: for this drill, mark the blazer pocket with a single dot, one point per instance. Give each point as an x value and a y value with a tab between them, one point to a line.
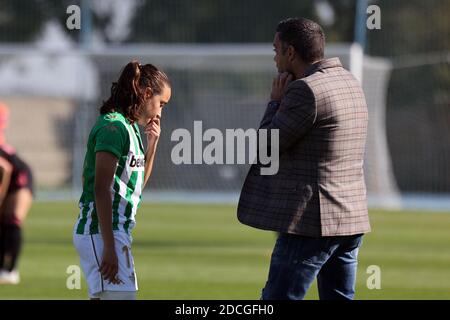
304	190
301	194
300	188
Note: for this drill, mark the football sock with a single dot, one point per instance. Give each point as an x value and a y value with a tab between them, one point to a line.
10	245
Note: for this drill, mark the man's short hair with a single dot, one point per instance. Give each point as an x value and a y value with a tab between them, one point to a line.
306	36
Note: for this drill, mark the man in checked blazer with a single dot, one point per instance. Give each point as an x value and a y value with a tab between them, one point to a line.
316	202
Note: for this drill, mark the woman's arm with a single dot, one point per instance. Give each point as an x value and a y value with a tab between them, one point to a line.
152	131
105	167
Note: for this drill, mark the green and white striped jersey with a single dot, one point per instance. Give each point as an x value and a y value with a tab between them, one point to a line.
115	134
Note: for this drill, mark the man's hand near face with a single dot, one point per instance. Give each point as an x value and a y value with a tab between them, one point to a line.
279	85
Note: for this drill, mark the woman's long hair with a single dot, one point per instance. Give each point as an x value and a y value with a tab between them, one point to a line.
127	94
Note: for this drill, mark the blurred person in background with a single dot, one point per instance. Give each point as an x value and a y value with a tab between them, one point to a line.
116	170
16	196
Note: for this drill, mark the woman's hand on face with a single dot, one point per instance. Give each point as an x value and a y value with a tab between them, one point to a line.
153	131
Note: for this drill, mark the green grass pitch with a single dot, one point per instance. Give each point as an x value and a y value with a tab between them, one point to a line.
203	252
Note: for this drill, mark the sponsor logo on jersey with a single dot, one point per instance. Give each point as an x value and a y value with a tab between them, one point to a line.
137	162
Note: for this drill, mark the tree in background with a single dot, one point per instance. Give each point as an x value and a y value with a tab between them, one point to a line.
166	21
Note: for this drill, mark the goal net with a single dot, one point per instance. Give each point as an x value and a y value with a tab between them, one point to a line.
225	87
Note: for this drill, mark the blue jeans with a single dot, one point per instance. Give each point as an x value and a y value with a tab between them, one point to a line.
297	261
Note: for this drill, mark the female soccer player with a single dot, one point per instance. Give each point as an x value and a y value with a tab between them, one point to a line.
116	169
16	196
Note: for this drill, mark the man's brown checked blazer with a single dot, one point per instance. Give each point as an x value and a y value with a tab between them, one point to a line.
319	189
